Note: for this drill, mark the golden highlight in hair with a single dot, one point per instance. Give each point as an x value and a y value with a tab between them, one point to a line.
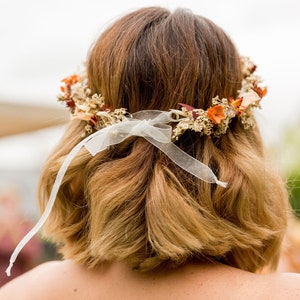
130	202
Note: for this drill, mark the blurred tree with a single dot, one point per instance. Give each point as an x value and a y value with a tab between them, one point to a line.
292	166
294	189
287	154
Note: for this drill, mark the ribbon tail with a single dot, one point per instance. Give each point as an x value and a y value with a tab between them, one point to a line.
48	208
187	162
94	144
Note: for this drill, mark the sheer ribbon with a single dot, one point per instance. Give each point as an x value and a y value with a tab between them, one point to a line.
149	124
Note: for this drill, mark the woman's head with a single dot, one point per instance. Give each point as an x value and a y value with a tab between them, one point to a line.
130	202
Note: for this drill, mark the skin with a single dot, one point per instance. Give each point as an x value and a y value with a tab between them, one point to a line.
65	280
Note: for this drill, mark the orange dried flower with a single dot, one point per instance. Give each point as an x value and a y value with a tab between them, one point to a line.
261	92
71	79
216	114
236	103
66	89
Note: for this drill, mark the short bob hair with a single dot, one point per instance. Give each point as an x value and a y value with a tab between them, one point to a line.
130	202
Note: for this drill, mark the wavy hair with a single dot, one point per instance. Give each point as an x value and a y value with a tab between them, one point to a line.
130	202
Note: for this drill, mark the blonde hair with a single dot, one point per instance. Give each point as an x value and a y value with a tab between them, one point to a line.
130	202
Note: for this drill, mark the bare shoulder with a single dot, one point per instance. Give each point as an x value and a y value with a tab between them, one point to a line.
273	286
45	281
223	282
283	285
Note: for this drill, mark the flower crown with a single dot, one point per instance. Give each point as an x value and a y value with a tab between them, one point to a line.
214	121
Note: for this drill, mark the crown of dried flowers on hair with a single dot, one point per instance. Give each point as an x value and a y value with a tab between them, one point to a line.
214	121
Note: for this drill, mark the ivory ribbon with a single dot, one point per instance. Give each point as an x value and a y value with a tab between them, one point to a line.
149	124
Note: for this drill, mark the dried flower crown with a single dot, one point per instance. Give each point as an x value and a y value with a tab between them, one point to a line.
214	121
